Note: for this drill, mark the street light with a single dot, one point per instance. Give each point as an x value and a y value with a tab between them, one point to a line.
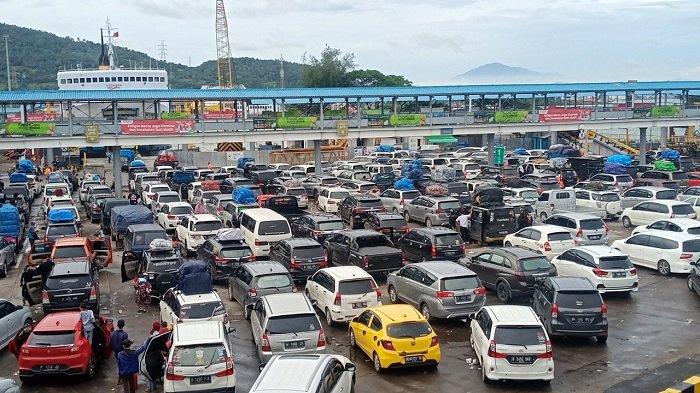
7	62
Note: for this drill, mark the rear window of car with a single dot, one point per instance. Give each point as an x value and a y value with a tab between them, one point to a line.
207	226
61	230
369	202
356	287
276	227
610	197
592	224
449	205
339	194
164	265
667	194
273	281
519	335
559	236
448	239
691	246
459	283
367	187
168	198
306	252
409	329
160	188
680	176
201	310
329	181
141	238
70	252
286	324
199	355
624	179
410	195
331	225
237	252
535	264
183	177
393	223
362	176
181	210
296	191
618	262
580	299
65	282
694	231
682	209
51	339
372	241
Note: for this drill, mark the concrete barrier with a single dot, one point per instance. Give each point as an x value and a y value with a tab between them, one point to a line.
690	385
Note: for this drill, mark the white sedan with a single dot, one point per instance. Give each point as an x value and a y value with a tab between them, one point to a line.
645	213
608	269
171	213
550	240
679	225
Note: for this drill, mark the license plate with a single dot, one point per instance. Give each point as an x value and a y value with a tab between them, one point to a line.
294	344
502	232
198	380
580	319
539	278
460	299
414	359
595	237
69	299
359	305
309	267
450	253
520	359
49	367
619	274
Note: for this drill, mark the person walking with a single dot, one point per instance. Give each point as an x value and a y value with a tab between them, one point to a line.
463	225
133	198
143	293
128	365
87	317
32	235
118	338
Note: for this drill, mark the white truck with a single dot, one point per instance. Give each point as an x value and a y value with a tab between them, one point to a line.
564	201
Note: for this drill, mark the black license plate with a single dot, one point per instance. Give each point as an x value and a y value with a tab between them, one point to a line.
49	367
521	359
198	380
450	253
461	299
619	274
294	344
311	267
502	232
595	237
539	278
68	299
581	320
359	305
414	359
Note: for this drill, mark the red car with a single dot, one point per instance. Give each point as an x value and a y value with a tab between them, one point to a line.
57	346
167	158
693	179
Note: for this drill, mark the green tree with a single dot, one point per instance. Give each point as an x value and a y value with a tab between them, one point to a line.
376	78
329	70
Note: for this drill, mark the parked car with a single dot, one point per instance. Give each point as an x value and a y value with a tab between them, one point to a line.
542	181
369	250
549	240
667	252
564	201
69	285
329	199
262	227
224	256
645	213
13	318
317	226
253	280
313	184
621	182
395	200
431	210
342	293
520	194
177	307
355	208
635	195
435	243
404	337
138	237
302	257
682	225
170	214
608	269
311	374
231	215
675	180
159	265
586	229
439	289
393	225
694	277
193	230
511	271
510	342
107	205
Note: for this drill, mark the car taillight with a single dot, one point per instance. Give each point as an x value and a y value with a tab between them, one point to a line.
520	275
604	310
170	373
324	262
93	294
96	209
481	291
555	310
338	299
444	294
170	217
633	272
377	291
434	341
294	264
252	292
548	351
331	202
265	344
686	256
365	260
547	246
388	345
493	353
219	260
76	348
259	243
600	273
321	339
606	228
433	251
405	229
358	210
25	350
401	201
229	368
462	249
226	318
317	233
579	233
439	210
45	297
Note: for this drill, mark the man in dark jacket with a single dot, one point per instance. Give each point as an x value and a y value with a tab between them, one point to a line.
118	338
128	363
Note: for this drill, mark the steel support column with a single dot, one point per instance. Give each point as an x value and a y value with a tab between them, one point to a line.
70	118
490	143
467	102
430	108
663	137
642	145
317	156
320	104
117	168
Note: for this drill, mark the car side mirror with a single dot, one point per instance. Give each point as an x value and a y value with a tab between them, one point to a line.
231	329
262	366
350	367
19	307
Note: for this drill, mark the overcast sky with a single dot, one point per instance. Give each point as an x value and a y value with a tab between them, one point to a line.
429	41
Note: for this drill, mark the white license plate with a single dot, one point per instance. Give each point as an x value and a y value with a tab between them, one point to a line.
359	305
414	359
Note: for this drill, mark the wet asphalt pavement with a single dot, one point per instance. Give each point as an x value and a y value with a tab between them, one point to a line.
655	326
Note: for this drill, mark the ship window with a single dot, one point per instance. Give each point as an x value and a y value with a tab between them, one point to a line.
132	79
82	80
138	79
119	79
63	81
102	79
69	81
162	79
114	79
150	79
75	80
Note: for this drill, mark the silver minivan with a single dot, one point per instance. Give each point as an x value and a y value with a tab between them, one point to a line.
285	323
252	280
395	200
431	210
306	374
586	229
439	289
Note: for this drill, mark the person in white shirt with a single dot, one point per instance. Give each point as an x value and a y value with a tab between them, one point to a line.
463	225
87	317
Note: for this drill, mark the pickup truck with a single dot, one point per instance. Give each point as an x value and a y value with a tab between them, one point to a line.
97	251
369	250
286	205
564	201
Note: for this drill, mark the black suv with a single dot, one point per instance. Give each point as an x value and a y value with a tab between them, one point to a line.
302	257
263	178
393	225
425	244
571	306
224	256
354	209
71	284
511	271
317	226
159	267
228	185
369	250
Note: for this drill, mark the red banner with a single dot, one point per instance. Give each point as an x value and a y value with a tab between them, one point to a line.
220	115
557	114
157	127
35	117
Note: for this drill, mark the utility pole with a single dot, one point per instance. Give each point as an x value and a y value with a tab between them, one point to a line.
162	52
7	63
281	72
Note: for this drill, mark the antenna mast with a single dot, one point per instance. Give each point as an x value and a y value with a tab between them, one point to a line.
223	48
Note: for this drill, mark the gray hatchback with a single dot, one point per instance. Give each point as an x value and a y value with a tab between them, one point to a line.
439	289
252	280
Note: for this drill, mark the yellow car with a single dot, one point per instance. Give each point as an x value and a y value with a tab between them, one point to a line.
395	335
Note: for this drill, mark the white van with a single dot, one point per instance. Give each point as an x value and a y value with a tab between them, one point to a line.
260	227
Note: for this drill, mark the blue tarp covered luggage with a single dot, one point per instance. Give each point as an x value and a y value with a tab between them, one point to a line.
413	170
612	168
670	154
64	209
128	154
137	164
195	278
17	177
61	215
244	160
404	184
622	159
123	216
25	166
520	151
9	220
385	148
243	195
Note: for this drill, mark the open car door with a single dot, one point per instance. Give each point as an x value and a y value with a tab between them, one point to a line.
15	345
32	286
102	247
130	266
107	327
153	358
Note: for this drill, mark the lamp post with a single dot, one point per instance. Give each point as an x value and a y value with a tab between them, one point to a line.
7	62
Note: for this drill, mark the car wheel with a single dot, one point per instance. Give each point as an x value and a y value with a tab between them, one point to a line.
393	297
3	273
428	223
626	222
377	363
664	268
26	380
353	342
425	310
503	291
601	339
90	370
329	317
508	244
407	217
691	286
318	206
315	195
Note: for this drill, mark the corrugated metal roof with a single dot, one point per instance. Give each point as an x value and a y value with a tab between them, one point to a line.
339	92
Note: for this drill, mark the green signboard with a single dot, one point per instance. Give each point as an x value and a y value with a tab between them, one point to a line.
407	119
296	122
174	115
666	111
510	116
30	129
499	155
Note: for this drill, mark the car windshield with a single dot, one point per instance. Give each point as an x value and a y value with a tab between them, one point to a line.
530	194
238	252
181	210
61	230
168	198
667	194
592	224
519	335
274	227
459	283
356	287
160	188
409	329
369	202
694	231
73	281
52	191
163	265
362	176
572	299
286	324
16	190
449	205
201	310
339	195
51	339
559	236
149	179
367	187
329	181
270	281
535	263
306	252
448	239
691	246
296	191
145	238
70	252
616	262
207	226
331	225
682	209
200	355
372	241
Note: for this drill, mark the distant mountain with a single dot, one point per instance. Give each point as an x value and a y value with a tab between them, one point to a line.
501	73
